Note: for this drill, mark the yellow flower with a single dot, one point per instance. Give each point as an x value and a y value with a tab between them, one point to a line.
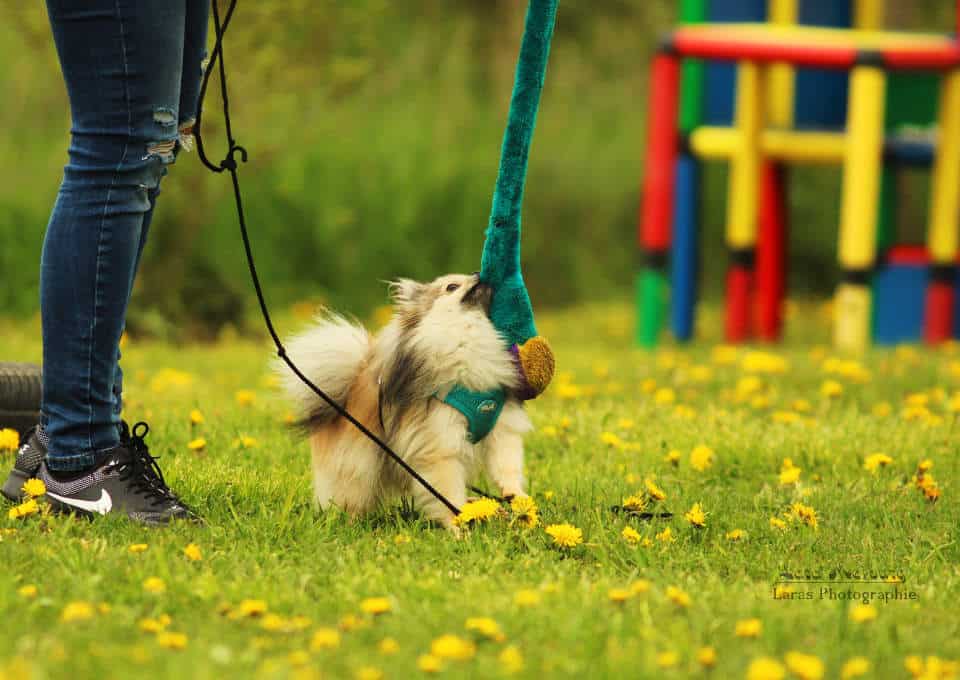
630	535
149	625
388	646
325	638
785	417
198	444
696	516
777	523
635	503
723	355
735	535
861	613
298	657
831	388
802	405
9	439
401	539
789	474
568	391
640	586
664	395
611	440
882	410
763	362
28	591
707	657
196	418
34	487
25	509
619	595
452	647
876	461
854	668
665	536
549	431
701	457
749	628
804	666
565	535
804	513
273	623
485	626
477	511
137	548
654	491
192	552
245	397
765	668
667	659
77	611
511	660
369	673
526	598
677	596
525	511
172	640
428	663
244	442
672	457
375	605
170	377
154	585
252	608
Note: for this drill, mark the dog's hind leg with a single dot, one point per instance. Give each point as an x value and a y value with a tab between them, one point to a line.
346	473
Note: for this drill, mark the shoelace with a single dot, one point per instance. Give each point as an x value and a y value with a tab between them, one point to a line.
145	470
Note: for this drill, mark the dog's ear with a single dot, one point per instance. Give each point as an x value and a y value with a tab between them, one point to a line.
406	292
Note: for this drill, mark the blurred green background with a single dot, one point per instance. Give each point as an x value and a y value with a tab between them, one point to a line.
374	129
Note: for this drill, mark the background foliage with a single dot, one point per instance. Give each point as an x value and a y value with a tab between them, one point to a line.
374	130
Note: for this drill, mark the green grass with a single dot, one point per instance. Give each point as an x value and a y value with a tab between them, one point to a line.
264	540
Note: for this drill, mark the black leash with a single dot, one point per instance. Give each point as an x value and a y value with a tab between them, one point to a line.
229	163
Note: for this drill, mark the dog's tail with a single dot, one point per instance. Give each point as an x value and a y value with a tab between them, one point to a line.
331	354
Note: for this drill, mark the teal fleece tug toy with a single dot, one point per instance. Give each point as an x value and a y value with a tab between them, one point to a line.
510	309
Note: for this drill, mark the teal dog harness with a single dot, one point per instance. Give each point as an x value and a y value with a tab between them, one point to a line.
481	409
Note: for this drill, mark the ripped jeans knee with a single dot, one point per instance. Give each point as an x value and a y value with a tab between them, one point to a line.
181	137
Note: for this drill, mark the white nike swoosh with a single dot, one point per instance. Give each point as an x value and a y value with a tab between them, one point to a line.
100	506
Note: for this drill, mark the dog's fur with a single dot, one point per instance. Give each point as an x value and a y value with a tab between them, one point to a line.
439	336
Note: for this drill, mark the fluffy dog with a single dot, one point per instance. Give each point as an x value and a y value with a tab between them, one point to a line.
439	336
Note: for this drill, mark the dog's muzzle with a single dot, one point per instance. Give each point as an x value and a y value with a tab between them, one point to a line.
479	295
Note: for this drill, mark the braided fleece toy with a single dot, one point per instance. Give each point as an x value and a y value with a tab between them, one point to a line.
510	308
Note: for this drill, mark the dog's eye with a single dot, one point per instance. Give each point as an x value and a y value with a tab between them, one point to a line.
452	287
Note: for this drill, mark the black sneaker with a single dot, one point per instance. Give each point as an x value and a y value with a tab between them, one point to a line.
126	479
27	464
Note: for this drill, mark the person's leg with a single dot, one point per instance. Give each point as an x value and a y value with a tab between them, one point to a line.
194	52
122	61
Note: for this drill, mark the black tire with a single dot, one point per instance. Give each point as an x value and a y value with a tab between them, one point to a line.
19	395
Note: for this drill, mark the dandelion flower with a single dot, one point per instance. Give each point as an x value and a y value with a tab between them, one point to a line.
882	410
452	647
325	638
34	487
245	442
196	418
611	440
804	666
619	595
678	596
369	673
765	668
672	457
388	646
477	511
252	608
667	659
777	523
9	439
25	509
29	591
701	458
635	503
565	535
245	397
665	536
402	539
172	640
136	548
654	491
735	535
854	668
192	552
428	663
525	511
375	605
748	628
77	611
511	660
696	516
876	461
831	388
486	627
526	598
861	613
630	535
150	625
198	444
707	657
154	585
640	586
805	514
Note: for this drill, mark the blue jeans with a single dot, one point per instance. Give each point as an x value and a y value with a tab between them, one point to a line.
132	70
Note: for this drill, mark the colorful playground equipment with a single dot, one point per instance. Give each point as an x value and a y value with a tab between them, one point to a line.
790	102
